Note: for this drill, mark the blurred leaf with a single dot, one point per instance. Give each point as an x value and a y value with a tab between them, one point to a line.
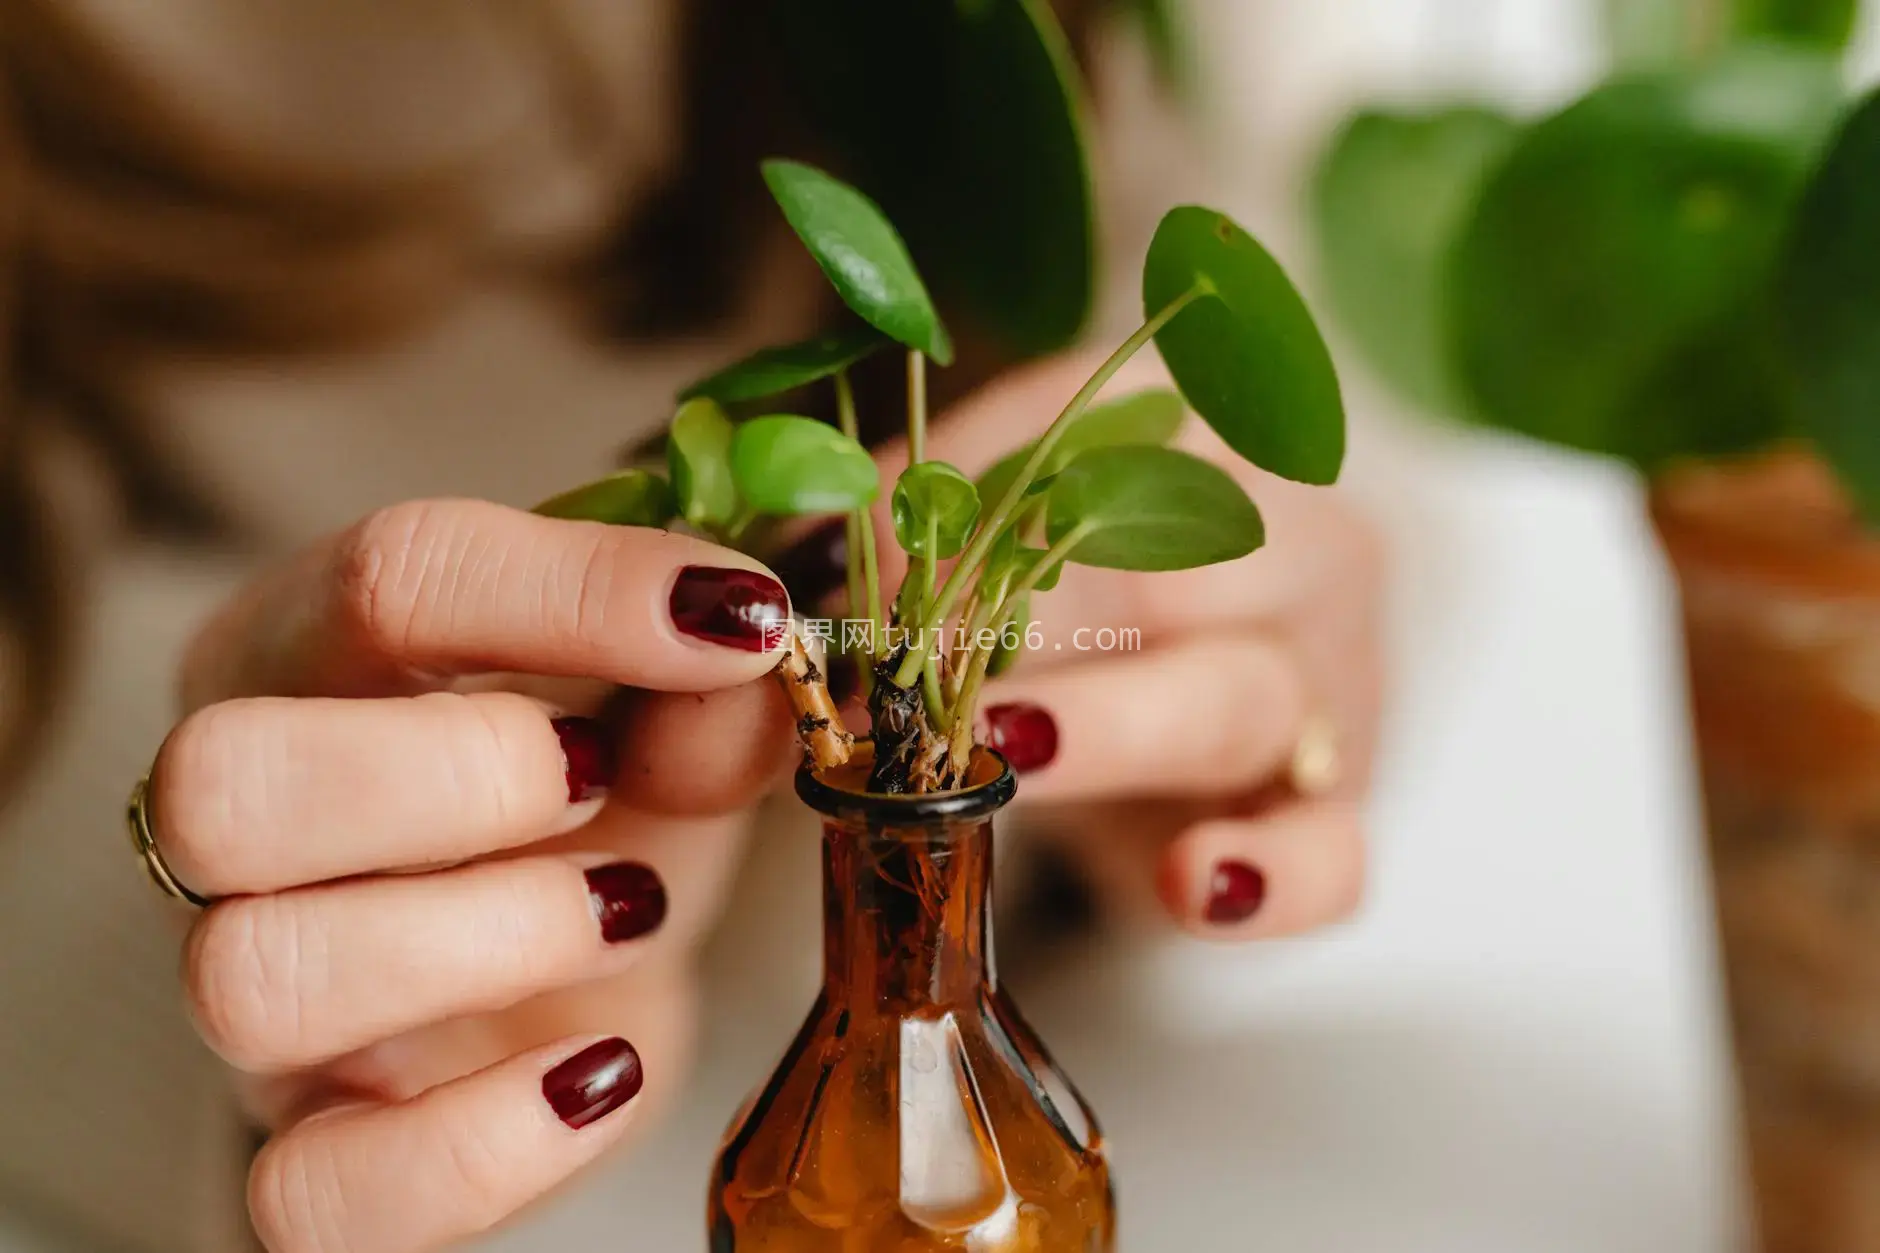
789	466
698	456
1147	417
1388	202
1828	306
1027	561
1652	34
858	248
963	117
1827	24
773	371
1151	509
1628	234
626	498
1250	359
935	508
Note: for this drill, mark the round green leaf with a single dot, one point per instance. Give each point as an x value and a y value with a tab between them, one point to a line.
773	371
858	248
1630	232
1384	268
1828	306
935	508
1148	417
1151	509
964	117
698	456
629	498
1248	357
788	465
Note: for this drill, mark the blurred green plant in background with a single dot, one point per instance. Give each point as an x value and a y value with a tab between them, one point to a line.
1682	263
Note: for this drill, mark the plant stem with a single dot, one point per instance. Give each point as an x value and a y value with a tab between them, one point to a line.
1009	599
930	689
1040	453
864	522
916	406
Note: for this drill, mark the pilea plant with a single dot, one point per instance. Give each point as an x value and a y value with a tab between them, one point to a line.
1099	486
1679	264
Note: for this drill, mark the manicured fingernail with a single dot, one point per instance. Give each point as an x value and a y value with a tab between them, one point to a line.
736	608
593	1083
628	899
1026	734
817	565
587	747
1236	891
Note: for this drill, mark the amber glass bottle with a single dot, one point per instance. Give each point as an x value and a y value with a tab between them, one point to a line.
915	1110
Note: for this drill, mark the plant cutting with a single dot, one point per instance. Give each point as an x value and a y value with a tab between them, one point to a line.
910	1004
1680	270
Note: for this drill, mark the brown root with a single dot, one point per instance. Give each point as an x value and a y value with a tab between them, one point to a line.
826	744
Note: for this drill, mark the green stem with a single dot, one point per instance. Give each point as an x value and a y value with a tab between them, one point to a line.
930	691
1040	453
863	520
916	406
1009	600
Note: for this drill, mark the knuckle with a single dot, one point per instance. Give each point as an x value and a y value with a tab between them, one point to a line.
247	968
382	571
295	1201
197	786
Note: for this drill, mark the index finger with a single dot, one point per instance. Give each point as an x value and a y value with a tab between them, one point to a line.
420	592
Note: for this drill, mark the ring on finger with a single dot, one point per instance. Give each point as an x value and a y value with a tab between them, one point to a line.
144	840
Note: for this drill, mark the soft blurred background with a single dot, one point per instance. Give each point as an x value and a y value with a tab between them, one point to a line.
1526	1040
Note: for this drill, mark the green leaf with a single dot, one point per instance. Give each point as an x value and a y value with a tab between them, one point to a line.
863	256
628	498
964	118
773	371
1828	306
1249	358
698	456
935	509
1651	34
789	466
1011	642
1632	231
1825	24
1151	509
1148	417
1388	201
1027	560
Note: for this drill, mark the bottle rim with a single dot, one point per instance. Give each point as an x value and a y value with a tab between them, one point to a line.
888	809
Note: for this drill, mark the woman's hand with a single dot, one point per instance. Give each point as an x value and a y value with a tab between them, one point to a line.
1162	715
437	924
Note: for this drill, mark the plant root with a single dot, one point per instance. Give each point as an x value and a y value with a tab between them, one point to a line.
826	743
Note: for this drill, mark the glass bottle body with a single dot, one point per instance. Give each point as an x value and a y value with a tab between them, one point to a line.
915	1110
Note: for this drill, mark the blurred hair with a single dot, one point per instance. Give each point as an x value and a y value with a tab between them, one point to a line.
134	227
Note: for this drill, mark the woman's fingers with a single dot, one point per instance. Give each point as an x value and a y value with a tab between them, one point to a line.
257	795
302	977
1201	717
449	1163
429	589
1286	871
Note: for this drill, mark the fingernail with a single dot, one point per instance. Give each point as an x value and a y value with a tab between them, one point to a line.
736	608
1236	891
1026	734
815	566
587	748
628	898
593	1083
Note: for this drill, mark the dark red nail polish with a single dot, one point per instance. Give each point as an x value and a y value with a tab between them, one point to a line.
1026	734
736	608
628	898
817	565
593	1083
587	747
1235	893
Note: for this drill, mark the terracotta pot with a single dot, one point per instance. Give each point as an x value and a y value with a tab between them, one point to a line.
1780	588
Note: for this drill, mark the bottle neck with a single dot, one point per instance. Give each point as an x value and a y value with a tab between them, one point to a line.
906	916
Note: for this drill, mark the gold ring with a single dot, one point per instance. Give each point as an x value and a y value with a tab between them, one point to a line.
1316	763
137	818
